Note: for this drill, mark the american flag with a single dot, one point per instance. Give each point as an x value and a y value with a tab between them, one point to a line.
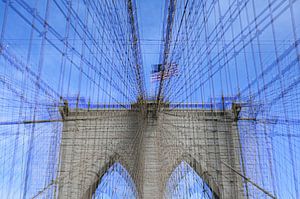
157	70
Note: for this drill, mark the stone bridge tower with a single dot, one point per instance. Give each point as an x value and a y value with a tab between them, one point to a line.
149	145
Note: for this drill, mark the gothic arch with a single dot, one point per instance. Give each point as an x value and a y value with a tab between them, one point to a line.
116	158
200	170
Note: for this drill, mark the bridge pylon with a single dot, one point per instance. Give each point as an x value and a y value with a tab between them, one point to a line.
150	145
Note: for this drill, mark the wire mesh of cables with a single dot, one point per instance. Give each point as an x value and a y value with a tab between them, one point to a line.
86	54
51	53
243	52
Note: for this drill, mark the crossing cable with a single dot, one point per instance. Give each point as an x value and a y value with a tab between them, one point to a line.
267	25
167	40
56	34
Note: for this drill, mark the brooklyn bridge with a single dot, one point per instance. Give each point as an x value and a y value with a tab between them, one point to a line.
150	99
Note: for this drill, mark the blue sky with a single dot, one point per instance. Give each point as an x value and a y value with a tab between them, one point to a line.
150	17
20	93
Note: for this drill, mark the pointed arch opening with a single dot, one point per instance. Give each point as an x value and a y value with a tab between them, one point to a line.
185	182
116	183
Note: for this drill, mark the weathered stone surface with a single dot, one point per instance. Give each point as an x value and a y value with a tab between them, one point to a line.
149	146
